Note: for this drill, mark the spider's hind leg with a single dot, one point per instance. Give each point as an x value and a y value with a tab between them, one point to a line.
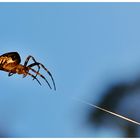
10	74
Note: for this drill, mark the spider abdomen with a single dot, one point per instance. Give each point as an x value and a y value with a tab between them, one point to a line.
5	60
10	57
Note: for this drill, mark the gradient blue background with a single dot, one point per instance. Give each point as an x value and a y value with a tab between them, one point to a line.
86	46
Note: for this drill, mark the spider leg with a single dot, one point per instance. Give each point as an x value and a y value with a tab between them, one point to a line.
34	64
49	74
39	64
34	77
10	74
27	60
40	76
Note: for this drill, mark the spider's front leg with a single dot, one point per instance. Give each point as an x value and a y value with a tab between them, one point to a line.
39	64
26	62
34	77
39	75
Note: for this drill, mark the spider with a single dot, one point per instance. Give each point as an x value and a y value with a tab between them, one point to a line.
10	62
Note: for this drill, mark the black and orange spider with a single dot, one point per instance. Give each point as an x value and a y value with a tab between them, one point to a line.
10	62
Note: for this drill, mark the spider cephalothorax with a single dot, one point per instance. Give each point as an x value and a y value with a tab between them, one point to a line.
10	62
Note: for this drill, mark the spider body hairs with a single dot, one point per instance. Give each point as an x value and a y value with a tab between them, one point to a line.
10	62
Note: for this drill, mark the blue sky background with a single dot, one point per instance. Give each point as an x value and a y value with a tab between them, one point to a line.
86	46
